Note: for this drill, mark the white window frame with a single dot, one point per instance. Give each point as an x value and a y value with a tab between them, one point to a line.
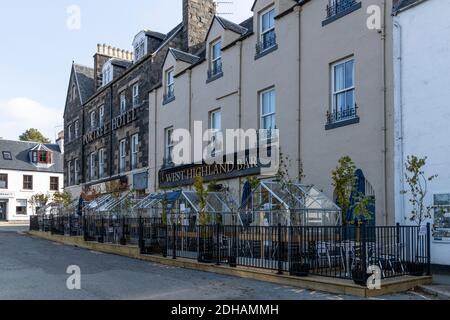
169	145
122	155
123	103
134	151
214	131
170	85
92	165
101	163
139	50
215	59
76	128
261	107
107	73
92	120
69	132
101	115
69	172
261	31
348	89
75	169
135	95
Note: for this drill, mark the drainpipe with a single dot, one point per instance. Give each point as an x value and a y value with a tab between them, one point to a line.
239	43
298	10
399	104
385	142
155	143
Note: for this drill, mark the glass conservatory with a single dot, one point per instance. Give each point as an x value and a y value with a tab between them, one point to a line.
273	202
184	207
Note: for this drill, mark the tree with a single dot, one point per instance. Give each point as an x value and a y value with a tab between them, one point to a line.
33	135
344	181
38	201
418	188
62	198
202	195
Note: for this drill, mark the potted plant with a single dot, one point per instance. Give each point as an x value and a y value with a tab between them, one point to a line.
359	275
301	266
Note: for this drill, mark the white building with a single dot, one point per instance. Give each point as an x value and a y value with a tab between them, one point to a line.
422	104
26	169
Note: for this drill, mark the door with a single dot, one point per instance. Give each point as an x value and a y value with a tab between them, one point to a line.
3	207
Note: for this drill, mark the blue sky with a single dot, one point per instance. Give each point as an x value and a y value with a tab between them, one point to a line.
37	49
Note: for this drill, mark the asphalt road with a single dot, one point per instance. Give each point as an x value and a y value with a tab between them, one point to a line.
33	269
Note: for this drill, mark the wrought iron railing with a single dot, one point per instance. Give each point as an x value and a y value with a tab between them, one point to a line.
339	252
216	69
268	41
335	7
342	115
169	96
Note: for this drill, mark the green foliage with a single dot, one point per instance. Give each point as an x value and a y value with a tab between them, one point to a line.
344	181
361	208
33	135
39	200
418	188
202	195
62	198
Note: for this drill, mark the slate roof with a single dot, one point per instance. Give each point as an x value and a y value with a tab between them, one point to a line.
228	25
85	79
155	34
121	63
248	24
402	4
20	156
184	56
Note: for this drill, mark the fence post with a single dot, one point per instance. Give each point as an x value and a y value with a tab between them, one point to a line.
84	228
218	244
428	249
174	246
123	241
234	248
363	249
280	264
141	235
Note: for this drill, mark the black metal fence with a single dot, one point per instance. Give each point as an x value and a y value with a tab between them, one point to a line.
339	252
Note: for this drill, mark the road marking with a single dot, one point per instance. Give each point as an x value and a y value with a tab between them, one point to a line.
420	295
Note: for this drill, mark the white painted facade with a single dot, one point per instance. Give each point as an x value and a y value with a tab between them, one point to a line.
422	106
13	195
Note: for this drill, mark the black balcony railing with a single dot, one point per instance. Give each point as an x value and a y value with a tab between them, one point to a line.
268	41
169	96
342	115
336	7
216	70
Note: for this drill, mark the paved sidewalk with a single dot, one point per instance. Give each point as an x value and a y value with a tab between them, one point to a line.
440	286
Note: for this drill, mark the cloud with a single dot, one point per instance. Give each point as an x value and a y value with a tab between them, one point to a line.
20	114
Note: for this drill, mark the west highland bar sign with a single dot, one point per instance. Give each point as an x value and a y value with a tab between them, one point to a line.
115	124
186	174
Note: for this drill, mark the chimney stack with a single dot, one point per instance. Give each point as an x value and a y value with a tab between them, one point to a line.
197	17
103	54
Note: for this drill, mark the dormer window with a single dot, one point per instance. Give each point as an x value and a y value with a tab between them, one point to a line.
215	68
170	86
140	46
107	73
139	50
41	156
